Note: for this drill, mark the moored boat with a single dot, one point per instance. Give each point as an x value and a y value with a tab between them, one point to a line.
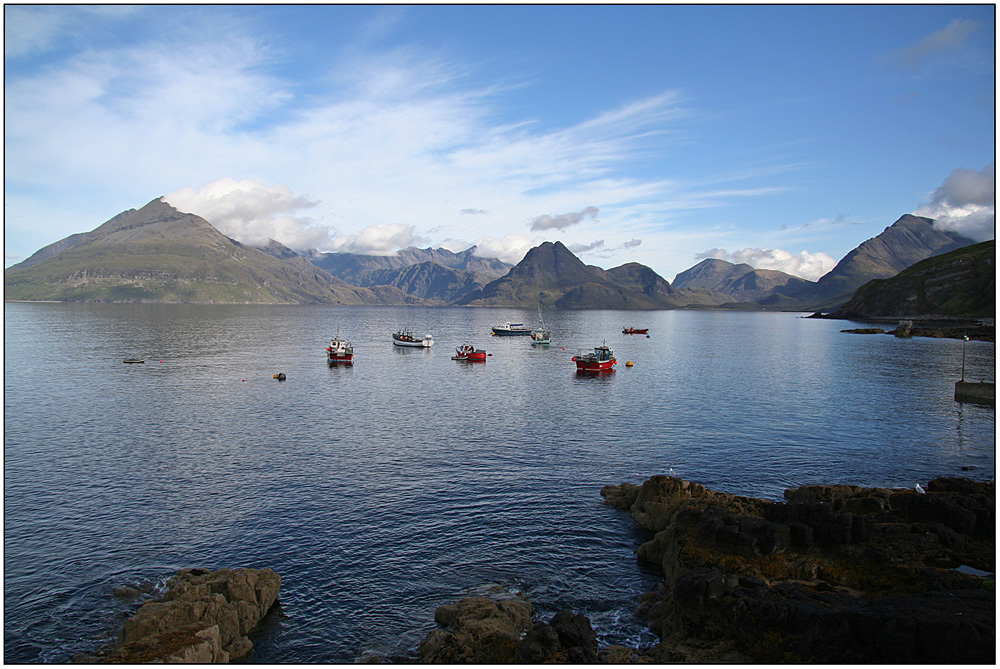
601	360
509	329
405	338
634	330
541	334
541	337
469	353
339	352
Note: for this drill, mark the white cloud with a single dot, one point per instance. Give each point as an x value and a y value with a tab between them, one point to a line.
965	203
380	240
509	248
563	221
804	265
252	212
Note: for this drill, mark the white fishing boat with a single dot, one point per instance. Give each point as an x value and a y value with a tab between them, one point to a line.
508	329
541	334
405	338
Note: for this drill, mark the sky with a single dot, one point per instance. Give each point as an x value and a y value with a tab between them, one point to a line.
782	136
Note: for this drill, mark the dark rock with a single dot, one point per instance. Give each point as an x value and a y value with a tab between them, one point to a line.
481	630
834	574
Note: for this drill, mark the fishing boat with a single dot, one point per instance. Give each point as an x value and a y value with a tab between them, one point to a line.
601	360
635	330
509	329
541	334
405	338
339	352
469	353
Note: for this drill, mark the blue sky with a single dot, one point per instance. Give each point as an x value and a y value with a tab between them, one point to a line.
782	136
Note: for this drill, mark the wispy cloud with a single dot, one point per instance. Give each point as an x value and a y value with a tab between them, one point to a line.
944	42
379	142
587	248
563	221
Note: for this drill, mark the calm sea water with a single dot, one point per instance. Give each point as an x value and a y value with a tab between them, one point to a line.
383	490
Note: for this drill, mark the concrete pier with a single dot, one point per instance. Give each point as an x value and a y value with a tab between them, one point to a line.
980	393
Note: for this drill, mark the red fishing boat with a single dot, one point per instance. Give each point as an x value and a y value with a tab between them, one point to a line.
601	360
339	352
635	330
469	353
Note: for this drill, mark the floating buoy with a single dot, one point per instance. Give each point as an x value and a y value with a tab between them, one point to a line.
647	336
628	364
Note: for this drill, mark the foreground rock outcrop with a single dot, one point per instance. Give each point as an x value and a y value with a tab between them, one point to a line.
499	629
204	617
833	574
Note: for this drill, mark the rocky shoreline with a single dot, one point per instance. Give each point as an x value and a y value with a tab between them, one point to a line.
832	574
938	328
205	617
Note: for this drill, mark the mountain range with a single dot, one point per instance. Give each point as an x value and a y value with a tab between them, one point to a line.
158	254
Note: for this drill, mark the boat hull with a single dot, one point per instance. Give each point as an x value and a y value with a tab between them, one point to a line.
406	339
332	359
511	333
605	366
411	344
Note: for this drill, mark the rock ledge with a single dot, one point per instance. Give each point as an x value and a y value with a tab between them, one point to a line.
204	617
833	574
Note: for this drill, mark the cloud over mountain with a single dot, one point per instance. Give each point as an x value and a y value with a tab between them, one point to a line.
965	203
804	265
377	240
509	248
253	212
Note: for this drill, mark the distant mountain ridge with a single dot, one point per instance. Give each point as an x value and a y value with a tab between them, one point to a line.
741	282
158	254
552	275
909	240
437	275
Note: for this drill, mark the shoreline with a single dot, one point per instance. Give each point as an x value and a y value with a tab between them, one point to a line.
832	574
